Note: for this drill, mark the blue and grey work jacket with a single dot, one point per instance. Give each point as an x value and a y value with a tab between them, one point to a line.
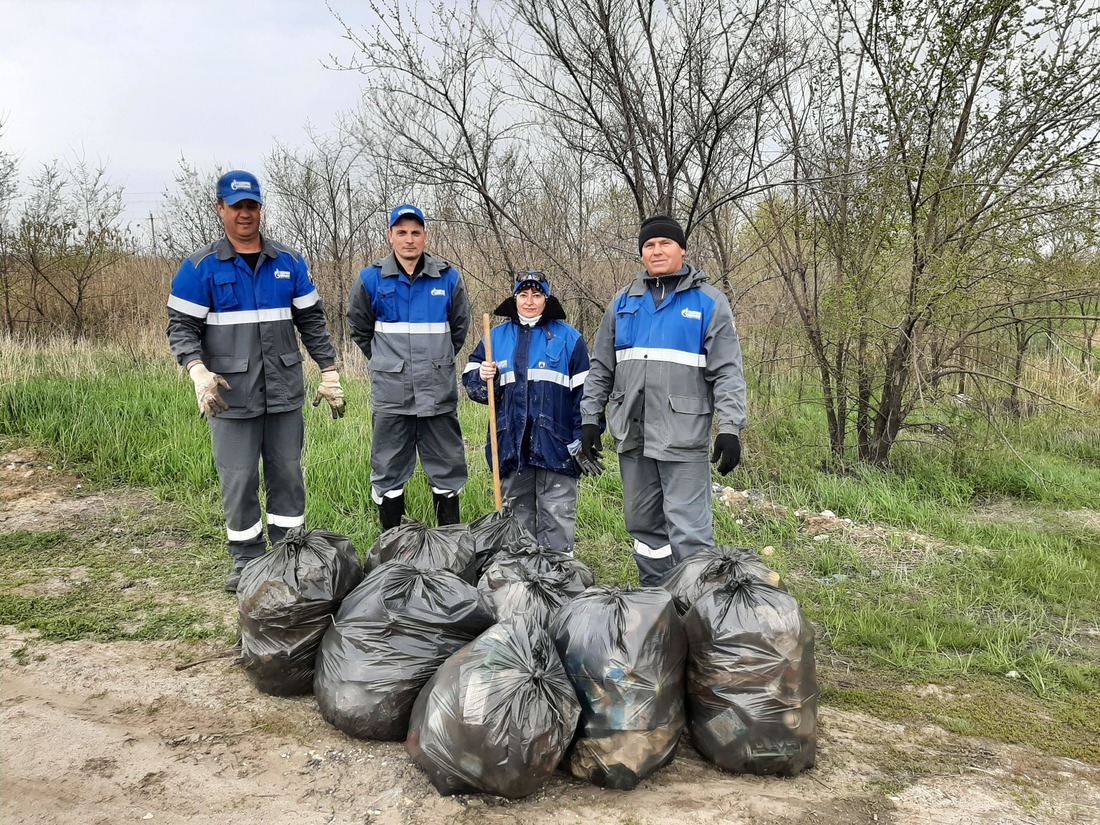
241	324
540	381
664	373
411	331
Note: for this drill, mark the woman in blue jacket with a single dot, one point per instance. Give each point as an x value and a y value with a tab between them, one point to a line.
539	363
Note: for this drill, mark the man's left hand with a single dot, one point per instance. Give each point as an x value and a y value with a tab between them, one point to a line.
727	452
331	391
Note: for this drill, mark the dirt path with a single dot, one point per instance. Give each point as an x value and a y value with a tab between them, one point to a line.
113	733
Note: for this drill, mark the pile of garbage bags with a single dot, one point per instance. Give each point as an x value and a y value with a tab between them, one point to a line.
499	662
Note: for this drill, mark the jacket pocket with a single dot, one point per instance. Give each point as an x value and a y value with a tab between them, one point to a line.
225	297
551	444
689	422
386	380
617	416
446	384
226	365
626	322
291	358
292	378
385	305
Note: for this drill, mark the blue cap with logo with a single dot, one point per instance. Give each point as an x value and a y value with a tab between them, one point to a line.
406	210
236	186
532	277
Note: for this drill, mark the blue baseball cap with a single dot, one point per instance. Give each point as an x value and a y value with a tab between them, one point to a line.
532	277
406	210
236	186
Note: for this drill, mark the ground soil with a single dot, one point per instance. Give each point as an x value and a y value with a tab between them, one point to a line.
110	733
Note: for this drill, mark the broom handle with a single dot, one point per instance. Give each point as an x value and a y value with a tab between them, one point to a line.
492	414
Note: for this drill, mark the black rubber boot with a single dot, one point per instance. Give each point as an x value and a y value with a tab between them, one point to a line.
446	509
391	510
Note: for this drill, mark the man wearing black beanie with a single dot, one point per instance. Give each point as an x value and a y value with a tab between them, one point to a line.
665	364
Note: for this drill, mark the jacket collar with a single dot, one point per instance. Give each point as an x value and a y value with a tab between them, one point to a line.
433	266
689	277
224	250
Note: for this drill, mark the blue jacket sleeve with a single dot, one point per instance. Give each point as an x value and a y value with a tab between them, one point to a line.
472	382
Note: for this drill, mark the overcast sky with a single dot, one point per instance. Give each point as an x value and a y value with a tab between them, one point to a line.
138	83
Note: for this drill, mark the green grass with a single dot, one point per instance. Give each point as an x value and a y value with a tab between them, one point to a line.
1004	577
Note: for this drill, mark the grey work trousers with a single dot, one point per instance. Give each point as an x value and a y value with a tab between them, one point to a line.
546	504
240	444
668	511
397	439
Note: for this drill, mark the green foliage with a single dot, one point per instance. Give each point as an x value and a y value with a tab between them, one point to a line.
973	560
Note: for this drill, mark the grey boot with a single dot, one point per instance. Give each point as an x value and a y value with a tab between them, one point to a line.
391	510
446	509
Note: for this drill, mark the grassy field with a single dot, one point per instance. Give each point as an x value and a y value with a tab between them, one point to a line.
974	562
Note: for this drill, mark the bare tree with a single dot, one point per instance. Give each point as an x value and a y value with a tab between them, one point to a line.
9	188
187	217
945	136
322	205
67	240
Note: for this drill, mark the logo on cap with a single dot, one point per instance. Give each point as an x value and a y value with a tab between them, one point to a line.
241	184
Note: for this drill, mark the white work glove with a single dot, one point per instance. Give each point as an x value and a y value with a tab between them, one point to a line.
331	391
206	389
487	370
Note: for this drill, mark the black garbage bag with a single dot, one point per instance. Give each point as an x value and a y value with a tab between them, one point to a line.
496	531
511	589
711	568
286	599
430	548
390	635
752	680
497	717
624	651
542	560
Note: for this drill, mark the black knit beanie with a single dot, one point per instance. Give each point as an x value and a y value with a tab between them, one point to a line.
661	226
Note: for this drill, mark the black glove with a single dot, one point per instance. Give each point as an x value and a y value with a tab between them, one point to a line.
727	452
589	460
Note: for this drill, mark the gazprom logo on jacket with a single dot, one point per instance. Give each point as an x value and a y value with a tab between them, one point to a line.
439	292
694	314
282	274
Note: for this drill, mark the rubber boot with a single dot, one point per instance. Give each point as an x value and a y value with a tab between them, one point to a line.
446	509
391	510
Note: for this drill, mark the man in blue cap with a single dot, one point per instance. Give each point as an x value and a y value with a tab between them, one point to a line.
409	315
235	314
666	364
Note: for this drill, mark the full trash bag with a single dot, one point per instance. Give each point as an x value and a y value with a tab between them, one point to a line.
751	679
286	599
542	560
511	589
624	651
430	548
712	567
497	717
390	635
496	531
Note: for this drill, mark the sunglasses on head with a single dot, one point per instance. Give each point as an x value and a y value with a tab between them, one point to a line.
530	275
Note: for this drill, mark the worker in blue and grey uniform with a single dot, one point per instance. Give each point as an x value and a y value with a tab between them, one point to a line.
665	364
232	314
539	363
409	315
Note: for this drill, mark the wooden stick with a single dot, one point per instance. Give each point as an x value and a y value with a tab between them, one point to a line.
492	414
